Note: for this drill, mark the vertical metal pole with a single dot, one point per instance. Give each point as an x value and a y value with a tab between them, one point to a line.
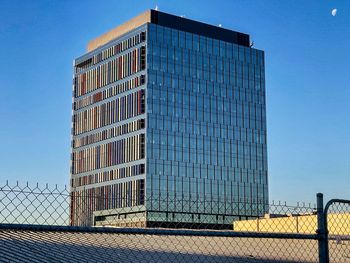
321	231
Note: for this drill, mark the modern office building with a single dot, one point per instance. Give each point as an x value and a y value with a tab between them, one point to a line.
169	126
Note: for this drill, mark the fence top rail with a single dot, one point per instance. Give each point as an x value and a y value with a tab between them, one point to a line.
332	201
156	231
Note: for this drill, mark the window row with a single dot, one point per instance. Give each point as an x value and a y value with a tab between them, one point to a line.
194	57
202	66
227	159
176	38
111	112
204	211
109	154
191	171
213	117
213	75
109	175
85	202
201	142
202	101
245	91
166	124
110	92
110	52
111	71
166	103
109	133
197	190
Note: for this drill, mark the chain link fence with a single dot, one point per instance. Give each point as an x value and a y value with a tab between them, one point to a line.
34	204
337	219
48	224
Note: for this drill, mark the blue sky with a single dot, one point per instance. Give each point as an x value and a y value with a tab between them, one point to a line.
307	80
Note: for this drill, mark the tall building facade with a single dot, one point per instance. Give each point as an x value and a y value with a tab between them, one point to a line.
169	126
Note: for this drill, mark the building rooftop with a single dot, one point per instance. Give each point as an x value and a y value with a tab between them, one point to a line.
172	21
44	245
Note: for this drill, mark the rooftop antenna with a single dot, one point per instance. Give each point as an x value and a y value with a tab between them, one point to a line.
157	8
251	44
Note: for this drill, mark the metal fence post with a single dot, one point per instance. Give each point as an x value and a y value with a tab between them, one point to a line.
321	231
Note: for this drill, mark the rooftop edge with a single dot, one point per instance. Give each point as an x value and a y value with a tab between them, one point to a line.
171	21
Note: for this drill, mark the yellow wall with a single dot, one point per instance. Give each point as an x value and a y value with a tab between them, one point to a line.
338	224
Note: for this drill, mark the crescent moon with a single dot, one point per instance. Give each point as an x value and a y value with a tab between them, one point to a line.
334	12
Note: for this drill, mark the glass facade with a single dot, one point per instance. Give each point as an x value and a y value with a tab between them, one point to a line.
206	132
170	122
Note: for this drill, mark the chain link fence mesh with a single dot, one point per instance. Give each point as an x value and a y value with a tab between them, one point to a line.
338	222
152	230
